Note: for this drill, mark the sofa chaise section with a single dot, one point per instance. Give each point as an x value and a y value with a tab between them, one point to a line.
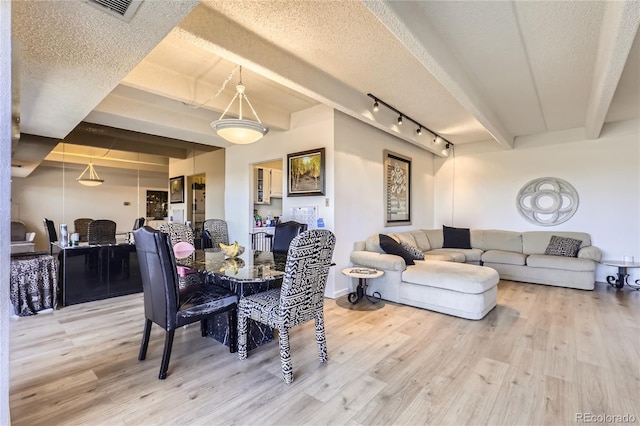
454	288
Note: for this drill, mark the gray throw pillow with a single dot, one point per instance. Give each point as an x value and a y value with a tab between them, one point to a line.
413	250
563	246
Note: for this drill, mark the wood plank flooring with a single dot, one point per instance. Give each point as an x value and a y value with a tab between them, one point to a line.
542	356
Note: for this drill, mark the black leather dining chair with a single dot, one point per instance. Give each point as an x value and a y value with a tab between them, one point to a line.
50	228
284	233
139	223
170	306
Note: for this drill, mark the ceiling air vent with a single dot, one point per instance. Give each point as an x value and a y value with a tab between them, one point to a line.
122	9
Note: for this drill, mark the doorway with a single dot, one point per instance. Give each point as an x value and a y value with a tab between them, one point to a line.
196	202
267	193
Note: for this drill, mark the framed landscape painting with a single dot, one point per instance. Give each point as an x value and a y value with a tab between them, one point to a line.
305	173
397	184
176	189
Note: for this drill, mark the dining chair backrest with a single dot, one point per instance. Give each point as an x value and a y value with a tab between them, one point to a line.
81	226
169	305
159	276
139	223
261	241
101	231
284	233
307	268
18	231
205	239
218	230
50	229
178	232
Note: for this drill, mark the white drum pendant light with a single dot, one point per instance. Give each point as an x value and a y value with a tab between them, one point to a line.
93	179
239	130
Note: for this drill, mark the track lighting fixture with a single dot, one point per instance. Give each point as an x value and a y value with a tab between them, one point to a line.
437	138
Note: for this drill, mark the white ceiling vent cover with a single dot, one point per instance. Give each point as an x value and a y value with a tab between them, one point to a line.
122	9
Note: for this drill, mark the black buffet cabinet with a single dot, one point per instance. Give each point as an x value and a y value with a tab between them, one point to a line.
95	272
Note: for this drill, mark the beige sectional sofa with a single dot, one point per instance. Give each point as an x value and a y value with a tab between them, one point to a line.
462	282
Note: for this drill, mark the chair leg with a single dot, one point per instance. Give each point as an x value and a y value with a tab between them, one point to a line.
204	327
168	343
232	318
285	355
320	336
145	340
242	335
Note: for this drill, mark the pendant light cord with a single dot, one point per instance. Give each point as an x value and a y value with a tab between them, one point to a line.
220	90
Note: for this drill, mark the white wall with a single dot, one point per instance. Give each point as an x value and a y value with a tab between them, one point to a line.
605	172
354	181
212	164
5	205
45	193
310	129
359	199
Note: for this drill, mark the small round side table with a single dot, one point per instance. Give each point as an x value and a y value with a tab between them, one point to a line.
363	274
622	277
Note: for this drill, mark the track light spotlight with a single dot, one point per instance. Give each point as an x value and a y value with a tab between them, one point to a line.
438	141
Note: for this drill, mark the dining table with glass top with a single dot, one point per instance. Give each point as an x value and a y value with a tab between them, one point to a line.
251	272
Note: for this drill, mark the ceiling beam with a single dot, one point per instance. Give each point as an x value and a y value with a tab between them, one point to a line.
408	22
241	46
619	28
136	110
29	153
97	135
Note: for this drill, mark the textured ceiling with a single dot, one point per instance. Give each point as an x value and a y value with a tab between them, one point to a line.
473	71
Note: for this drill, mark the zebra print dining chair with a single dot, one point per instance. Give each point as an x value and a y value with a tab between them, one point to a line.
300	299
218	230
178	233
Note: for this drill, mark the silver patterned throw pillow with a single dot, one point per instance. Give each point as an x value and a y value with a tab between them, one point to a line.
562	246
413	250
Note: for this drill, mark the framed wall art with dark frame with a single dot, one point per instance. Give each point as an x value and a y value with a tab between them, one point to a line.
176	189
305	173
397	193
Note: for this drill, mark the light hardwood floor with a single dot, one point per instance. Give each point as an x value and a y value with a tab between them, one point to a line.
542	356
